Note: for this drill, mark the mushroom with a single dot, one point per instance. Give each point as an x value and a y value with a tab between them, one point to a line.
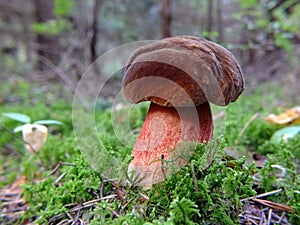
180	76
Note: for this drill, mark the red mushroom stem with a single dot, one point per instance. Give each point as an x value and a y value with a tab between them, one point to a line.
164	128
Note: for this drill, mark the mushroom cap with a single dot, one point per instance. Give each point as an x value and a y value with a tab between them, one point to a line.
182	71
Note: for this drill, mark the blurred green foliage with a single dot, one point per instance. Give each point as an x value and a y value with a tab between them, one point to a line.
270	23
62	10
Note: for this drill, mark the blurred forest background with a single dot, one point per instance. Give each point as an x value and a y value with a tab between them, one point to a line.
56	40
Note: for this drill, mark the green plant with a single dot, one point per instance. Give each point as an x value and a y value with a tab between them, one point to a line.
283	156
216	191
195	194
62	9
50	196
270	20
181	211
25	119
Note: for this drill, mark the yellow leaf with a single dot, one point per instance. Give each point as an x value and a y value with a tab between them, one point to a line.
291	116
35	136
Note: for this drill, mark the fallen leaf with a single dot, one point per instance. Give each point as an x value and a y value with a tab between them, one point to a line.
285	133
291	116
35	136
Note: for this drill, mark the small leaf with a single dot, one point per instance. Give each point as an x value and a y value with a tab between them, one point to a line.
18	129
285	134
17	117
48	122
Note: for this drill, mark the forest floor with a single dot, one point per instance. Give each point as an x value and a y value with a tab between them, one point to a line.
252	178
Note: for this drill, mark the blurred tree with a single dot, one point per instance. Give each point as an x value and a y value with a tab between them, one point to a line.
219	21
47	44
210	17
15	41
165	18
95	23
267	35
67	32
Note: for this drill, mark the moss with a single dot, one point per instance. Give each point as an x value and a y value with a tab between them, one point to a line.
193	195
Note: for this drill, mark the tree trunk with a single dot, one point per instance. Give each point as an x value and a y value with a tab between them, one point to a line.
209	16
94	39
220	21
47	45
165	18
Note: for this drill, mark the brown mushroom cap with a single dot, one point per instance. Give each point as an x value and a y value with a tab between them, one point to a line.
183	71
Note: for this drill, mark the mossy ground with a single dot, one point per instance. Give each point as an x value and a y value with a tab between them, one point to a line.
61	186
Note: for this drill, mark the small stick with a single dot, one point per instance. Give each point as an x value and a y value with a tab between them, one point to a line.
69	216
25	142
56	168
77	217
269	216
194	177
163	166
252	221
92	202
101	189
114	212
60	177
64	222
273	204
83	206
281	217
263	220
262	195
247	124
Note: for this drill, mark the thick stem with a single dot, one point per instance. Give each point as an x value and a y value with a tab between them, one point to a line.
163	130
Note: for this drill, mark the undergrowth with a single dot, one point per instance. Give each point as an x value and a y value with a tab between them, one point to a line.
61	178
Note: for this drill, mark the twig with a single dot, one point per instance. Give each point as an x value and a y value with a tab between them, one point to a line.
252	221
264	218
64	222
77	217
281	217
135	180
84	205
247	124
262	195
60	177
194	177
273	205
59	165
269	216
114	212
69	216
18	201
56	168
163	166
24	142
92	202
101	189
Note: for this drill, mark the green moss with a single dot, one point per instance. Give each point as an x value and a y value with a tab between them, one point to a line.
215	191
193	195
